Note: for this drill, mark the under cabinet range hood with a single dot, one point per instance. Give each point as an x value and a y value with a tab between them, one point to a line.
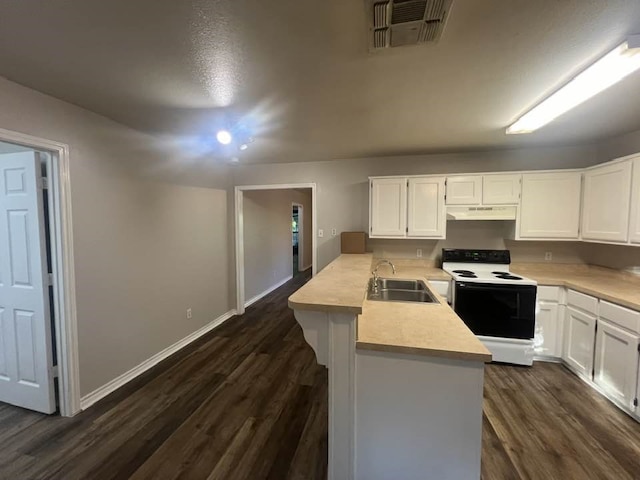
481	213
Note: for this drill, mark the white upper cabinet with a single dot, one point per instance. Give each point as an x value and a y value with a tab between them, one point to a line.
388	207
426	209
501	189
605	212
634	227
550	205
464	190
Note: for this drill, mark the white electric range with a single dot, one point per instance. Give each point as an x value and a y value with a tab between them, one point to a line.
499	307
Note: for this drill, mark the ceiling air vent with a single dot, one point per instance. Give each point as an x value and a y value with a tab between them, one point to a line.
395	23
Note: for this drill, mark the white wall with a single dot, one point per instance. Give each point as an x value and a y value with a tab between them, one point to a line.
146	248
268	247
342	185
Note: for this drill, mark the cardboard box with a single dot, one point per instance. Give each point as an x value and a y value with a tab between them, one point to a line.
352	242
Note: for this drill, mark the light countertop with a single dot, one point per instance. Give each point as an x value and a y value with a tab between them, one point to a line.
611	285
411	328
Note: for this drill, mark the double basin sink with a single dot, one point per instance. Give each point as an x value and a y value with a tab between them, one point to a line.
397	290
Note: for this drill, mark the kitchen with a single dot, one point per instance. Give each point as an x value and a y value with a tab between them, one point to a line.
175	110
584	316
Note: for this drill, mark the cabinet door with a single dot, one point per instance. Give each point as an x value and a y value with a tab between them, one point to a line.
388	207
550	205
547	341
426	210
634	228
464	190
580	332
501	189
616	362
605	212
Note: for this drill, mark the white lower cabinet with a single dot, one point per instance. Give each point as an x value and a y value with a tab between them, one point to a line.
579	341
442	287
547	341
616	362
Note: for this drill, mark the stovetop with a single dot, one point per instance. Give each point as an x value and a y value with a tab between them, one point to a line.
481	266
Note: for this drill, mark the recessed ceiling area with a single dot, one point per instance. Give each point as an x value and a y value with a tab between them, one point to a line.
301	78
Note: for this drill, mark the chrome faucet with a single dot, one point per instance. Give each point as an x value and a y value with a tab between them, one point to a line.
375	272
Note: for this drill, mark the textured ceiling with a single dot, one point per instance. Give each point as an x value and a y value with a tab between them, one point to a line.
297	74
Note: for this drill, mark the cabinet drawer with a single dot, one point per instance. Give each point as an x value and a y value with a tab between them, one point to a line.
549	294
620	316
584	302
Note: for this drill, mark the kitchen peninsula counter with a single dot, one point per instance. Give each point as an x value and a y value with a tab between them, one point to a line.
413	371
417	328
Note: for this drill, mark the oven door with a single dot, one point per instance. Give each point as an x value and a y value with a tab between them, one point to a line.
497	310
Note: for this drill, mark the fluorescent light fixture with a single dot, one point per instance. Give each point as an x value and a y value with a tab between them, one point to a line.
610	69
224	137
244	146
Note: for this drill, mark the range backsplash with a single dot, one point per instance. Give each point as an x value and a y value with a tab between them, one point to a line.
481	234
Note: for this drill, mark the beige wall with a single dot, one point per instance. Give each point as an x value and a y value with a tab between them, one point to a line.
146	248
342	185
478	234
619	146
267	237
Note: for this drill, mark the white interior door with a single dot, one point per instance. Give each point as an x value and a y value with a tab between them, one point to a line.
26	363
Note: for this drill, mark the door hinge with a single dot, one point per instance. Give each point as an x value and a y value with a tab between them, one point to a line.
50	279
635	402
54	371
407	229
44	183
639	348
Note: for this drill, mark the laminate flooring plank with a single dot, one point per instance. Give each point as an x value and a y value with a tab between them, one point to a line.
495	460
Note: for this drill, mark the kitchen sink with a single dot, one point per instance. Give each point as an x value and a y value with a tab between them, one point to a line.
396	284
395	290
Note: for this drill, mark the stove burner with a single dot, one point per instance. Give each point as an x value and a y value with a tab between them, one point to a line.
509	277
501	273
468	275
464	272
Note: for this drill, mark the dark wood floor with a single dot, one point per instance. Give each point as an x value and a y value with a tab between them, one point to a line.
248	401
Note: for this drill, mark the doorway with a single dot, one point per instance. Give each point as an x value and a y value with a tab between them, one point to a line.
38	358
297	238
265	237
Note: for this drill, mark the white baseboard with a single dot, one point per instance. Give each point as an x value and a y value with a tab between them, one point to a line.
113	385
304	269
253	300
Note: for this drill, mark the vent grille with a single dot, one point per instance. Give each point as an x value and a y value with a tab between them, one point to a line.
395	23
381	15
408	11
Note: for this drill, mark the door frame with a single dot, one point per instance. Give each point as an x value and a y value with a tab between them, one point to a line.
61	238
300	234
239	231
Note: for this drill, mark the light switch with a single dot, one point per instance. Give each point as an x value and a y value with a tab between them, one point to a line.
320	233
334	232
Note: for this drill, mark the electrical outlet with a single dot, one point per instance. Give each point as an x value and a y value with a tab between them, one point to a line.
189	313
334	232
320	233
548	256
419	253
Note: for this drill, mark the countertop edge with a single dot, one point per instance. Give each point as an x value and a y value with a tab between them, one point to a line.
327	308
425	352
